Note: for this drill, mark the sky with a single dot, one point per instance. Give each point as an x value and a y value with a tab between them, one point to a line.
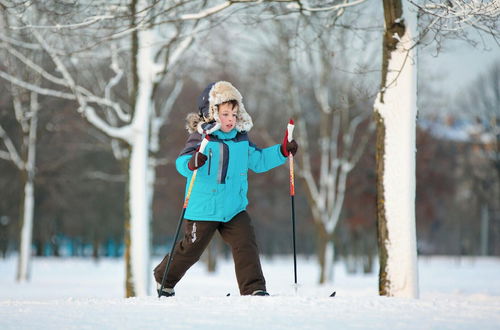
460	63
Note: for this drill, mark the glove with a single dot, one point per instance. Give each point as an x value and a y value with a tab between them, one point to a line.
197	161
288	147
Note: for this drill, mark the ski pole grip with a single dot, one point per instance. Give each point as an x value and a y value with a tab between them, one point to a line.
203	144
290	128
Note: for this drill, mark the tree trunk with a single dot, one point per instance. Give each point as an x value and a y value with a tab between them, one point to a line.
138	255
129	285
139	226
395	114
322	242
26	233
95	249
211	255
56	246
485	221
28	198
326	253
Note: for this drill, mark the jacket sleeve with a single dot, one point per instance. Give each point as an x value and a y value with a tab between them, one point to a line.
262	160
192	144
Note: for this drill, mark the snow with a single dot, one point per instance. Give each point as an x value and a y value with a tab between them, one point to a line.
69	293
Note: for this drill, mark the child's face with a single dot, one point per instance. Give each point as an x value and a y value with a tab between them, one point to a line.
227	115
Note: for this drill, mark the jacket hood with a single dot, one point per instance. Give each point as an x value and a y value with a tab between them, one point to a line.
207	119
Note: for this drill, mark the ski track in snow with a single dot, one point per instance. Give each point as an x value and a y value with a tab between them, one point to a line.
70	293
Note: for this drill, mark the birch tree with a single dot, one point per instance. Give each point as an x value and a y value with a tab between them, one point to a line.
344	131
22	153
395	112
26	109
332	128
340	143
479	104
342	139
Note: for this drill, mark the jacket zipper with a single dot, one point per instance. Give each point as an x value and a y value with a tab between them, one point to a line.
209	160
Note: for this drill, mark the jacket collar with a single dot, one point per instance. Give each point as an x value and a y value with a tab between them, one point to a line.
225	136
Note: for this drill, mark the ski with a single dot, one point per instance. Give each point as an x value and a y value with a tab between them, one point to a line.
334	293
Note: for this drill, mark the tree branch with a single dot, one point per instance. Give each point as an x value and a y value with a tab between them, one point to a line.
123	133
35	88
11	153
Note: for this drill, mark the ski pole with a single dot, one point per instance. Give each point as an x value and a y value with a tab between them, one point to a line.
179	224
290	128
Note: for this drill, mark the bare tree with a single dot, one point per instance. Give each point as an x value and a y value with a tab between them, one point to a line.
22	153
24	159
132	125
396	111
395	107
459	19
343	136
478	105
333	129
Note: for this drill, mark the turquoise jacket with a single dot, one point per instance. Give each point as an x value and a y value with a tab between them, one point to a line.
220	189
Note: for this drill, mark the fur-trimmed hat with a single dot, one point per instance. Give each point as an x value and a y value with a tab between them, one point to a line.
207	119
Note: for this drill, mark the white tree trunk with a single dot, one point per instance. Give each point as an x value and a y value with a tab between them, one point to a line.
23	271
329	260
26	237
138	182
136	134
485	225
398	112
151	177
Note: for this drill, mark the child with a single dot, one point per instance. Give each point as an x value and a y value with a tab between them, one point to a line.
219	195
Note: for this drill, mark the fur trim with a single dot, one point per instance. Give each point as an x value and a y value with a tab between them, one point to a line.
192	121
220	92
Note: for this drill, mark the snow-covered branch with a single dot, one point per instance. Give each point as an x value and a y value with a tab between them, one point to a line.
61	67
118	74
5	155
454	14
169	102
208	12
36	68
68	96
88	21
19	43
353	125
158	121
36	88
11	153
179	51
306	171
303	6
298	5
461	9
80	94
123	133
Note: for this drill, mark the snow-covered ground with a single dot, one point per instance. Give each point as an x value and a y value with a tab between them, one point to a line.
81	294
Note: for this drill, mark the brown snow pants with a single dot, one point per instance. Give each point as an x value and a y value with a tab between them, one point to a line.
240	236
